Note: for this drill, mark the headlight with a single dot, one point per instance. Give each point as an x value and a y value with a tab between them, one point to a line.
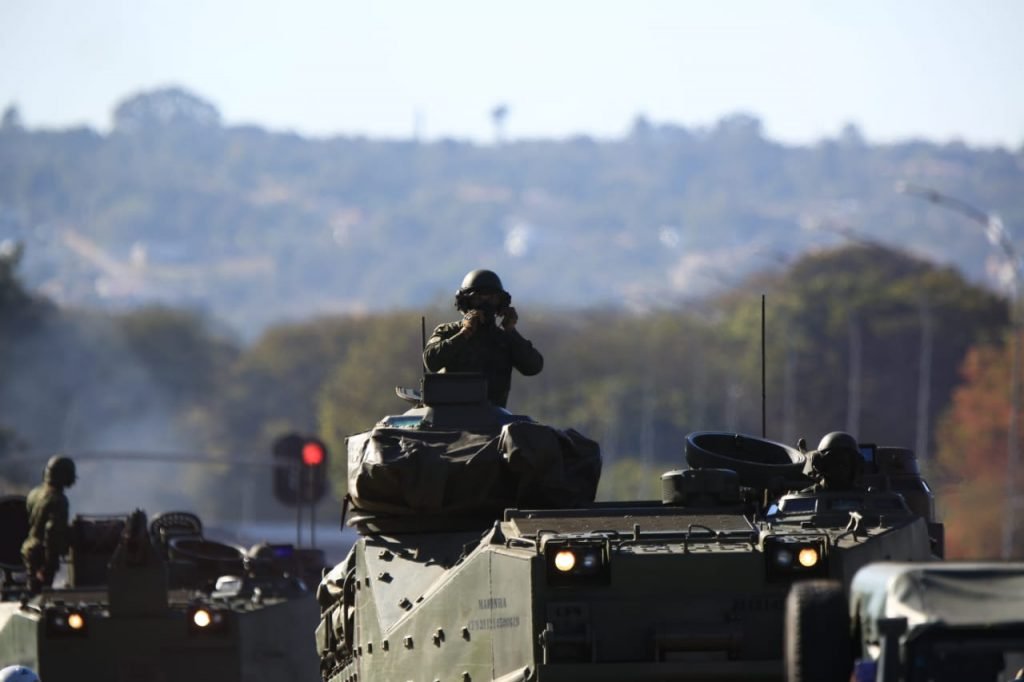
203	619
795	557
65	622
565	560
577	562
808	557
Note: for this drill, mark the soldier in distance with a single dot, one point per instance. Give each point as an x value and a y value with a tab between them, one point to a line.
47	507
479	342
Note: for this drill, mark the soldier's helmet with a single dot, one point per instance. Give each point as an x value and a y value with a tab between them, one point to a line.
837	440
17	673
60	471
480	282
837	460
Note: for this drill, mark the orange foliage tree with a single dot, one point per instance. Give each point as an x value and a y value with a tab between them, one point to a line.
972	456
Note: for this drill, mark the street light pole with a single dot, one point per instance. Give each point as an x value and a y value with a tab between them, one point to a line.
997	235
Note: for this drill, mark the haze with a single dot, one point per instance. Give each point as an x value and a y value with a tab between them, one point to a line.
938	70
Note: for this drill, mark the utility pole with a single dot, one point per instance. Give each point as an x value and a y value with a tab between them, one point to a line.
998	236
924	379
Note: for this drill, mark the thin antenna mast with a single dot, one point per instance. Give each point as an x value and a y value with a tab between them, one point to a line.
764	421
423	332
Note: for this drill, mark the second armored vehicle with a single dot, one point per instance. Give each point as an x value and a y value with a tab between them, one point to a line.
159	603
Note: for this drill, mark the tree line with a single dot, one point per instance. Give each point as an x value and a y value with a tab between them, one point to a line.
861	338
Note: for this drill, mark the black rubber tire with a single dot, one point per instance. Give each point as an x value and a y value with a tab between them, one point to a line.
818	645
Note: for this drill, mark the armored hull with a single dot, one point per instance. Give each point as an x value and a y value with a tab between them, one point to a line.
249	642
655	594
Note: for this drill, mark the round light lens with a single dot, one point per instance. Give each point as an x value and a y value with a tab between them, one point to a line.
201	618
808	557
75	621
565	560
784	558
312	454
590	561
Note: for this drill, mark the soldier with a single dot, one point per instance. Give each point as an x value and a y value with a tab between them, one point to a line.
837	463
48	523
479	342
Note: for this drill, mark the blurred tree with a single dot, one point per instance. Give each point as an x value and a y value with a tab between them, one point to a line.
178	349
11	121
630	479
14	300
360	389
847	330
275	386
166	107
20	314
972	453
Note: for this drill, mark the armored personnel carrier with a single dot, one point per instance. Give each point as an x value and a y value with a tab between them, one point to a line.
483	556
159	602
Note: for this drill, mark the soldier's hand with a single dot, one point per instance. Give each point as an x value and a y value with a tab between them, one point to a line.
509	318
472	321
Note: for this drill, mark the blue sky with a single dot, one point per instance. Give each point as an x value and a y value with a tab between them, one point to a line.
940	70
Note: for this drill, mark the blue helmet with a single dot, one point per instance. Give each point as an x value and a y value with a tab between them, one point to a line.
18	673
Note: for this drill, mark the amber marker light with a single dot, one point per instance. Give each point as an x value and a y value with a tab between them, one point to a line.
75	621
565	560
808	557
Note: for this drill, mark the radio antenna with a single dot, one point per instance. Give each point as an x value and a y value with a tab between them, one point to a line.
764	421
423	332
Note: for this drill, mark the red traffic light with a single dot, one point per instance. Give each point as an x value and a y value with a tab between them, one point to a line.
300	469
312	454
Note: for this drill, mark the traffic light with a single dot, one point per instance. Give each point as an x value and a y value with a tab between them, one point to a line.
314	465
300	469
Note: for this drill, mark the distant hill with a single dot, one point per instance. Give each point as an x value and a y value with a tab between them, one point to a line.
256	226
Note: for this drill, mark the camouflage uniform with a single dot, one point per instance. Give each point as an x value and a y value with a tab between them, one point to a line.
490	350
48	535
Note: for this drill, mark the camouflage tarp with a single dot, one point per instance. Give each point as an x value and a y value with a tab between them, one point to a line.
409	471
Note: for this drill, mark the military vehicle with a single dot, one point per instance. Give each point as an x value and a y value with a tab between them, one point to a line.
910	622
483	556
159	602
